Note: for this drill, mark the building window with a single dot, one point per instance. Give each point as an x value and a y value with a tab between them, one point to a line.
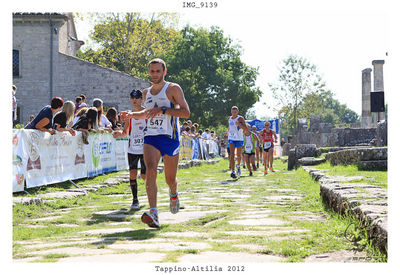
15	63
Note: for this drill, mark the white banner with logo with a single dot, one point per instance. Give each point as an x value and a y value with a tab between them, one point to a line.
121	153
101	152
19	161
53	158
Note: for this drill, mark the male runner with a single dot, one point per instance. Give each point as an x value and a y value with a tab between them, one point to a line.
135	129
235	137
249	148
268	146
164	103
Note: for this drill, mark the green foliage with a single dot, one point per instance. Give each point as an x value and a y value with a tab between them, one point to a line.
302	93
128	41
207	66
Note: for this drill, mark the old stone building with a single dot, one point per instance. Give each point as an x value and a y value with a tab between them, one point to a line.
45	65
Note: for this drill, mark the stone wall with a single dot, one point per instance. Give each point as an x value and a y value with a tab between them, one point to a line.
75	76
366	158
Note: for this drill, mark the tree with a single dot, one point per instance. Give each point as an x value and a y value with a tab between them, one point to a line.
208	67
297	76
127	41
302	93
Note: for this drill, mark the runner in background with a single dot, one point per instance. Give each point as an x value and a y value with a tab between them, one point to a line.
134	128
268	146
249	148
235	138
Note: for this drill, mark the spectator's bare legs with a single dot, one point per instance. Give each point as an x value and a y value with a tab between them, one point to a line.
151	158
170	169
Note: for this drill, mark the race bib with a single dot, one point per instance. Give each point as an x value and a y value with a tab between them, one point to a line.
248	148
267	145
156	125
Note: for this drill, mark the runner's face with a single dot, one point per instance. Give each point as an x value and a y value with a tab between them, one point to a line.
136	102
234	112
156	73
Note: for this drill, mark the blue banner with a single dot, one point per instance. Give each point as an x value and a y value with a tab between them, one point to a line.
260	124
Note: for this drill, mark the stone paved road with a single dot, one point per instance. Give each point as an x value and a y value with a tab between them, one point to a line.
254	219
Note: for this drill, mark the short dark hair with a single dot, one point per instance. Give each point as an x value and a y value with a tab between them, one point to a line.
83	96
158	61
57	102
111	113
78	98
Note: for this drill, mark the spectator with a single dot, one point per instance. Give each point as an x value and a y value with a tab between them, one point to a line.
193	133
212	136
196	125
200	133
206	134
78	101
112	116
189	122
103	122
43	121
87	122
83	102
63	120
14	105
31	117
184	131
78	114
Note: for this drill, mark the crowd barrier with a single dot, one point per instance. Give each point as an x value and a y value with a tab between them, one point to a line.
41	159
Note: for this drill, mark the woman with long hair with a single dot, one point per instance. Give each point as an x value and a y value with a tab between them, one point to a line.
63	120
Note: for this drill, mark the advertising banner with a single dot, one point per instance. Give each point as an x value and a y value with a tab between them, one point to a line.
185	152
101	153
121	153
52	158
19	162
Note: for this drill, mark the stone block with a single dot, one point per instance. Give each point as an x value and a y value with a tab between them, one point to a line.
373	165
381	133
308	161
305	150
292	159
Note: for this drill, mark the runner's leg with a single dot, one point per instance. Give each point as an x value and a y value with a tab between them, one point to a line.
232	157
170	169
151	158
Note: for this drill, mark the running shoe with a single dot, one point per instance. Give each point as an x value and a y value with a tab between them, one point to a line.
251	174
258	166
272	170
254	168
265	172
173	203
151	219
239	172
233	174
135	205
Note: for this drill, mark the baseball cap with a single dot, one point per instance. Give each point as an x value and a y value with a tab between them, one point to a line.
136	94
97	102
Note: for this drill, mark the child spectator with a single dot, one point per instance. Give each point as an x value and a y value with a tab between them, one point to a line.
103	122
112	116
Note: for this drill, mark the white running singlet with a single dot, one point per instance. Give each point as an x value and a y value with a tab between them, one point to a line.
161	124
136	136
235	132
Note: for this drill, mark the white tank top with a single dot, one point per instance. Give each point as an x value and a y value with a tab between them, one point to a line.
161	124
235	132
136	136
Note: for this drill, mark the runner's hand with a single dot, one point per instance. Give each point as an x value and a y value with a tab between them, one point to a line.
153	112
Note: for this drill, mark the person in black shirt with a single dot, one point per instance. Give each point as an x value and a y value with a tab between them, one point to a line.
63	120
87	122
43	120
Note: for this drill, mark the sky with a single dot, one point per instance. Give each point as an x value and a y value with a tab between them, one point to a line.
340	43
